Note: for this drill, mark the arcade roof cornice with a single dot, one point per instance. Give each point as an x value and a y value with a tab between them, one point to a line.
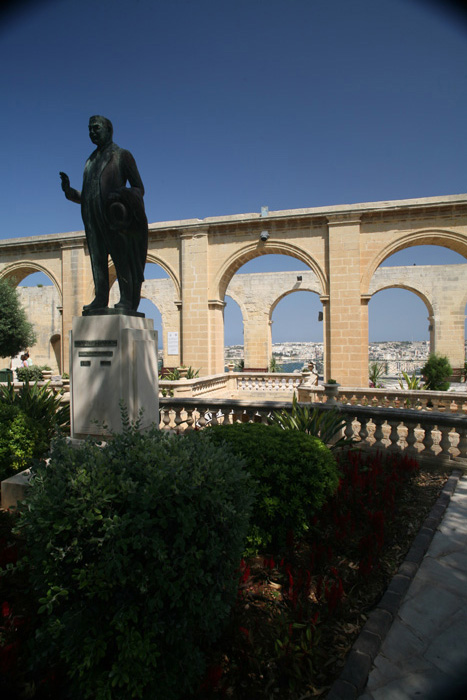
448	204
452	205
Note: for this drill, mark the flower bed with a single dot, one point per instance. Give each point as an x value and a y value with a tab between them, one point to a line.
298	611
298	614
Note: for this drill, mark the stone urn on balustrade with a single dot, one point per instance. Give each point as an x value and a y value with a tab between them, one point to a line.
331	390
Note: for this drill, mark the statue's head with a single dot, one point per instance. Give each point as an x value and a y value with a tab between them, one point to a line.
100	130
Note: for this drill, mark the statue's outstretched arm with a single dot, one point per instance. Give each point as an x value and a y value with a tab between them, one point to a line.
70	193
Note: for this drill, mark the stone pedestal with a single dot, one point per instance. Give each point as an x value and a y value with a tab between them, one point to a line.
113	359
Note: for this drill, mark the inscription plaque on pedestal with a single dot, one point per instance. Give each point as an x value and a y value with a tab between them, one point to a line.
113	359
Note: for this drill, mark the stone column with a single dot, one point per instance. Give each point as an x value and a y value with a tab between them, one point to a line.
448	331
216	336
344	361
195	331
257	339
76	278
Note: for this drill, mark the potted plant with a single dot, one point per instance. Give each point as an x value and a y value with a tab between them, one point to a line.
331	389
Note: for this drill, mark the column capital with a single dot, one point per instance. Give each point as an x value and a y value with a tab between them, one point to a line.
188	233
343	219
216	303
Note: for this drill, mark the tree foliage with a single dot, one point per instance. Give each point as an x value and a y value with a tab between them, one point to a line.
16	333
436	372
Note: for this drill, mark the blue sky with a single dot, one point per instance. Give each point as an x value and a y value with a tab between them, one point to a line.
230	105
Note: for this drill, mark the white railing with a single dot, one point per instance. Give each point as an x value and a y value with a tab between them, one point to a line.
423	434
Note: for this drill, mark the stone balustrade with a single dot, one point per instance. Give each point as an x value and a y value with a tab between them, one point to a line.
442	401
424	434
235	384
281	386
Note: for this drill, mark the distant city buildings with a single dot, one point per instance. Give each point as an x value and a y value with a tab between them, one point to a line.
398	355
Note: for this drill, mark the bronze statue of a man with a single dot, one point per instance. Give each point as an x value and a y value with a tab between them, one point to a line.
114	218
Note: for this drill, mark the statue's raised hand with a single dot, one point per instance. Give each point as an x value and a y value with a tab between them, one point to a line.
65	182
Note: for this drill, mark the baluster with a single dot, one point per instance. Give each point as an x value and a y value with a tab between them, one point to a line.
214	420
428	441
165	417
403	431
201	423
189	420
462	444
348	430
393	436
178	418
411	439
422	402
445	443
370	427
356	425
379	436
363	432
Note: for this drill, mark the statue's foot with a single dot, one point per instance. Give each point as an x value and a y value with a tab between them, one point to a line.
124	306
96	304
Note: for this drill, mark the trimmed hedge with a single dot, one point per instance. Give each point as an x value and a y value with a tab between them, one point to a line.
295	473
29	374
133	553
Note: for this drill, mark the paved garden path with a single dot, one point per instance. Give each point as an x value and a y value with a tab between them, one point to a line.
421	620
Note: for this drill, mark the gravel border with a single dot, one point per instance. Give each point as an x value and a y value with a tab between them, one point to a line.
354	676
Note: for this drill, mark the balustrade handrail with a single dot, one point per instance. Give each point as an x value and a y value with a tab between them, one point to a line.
419	433
428	417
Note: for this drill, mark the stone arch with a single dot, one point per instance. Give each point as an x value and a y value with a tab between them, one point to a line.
287	293
248	252
151	258
441	237
21	269
397	285
238	300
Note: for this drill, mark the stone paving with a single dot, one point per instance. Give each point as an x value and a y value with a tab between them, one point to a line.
414	644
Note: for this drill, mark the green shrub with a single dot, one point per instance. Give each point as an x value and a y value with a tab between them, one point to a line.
376	371
325	424
133	551
436	372
295	472
21	440
29	374
39	403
